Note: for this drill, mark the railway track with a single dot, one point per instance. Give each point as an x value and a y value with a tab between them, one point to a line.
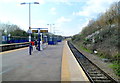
94	73
6	47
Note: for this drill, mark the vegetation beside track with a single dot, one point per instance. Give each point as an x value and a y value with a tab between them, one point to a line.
102	37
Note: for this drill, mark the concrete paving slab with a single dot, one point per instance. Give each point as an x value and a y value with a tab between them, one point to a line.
40	66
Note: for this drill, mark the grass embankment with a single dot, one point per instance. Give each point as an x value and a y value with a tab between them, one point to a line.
85	49
116	65
80	46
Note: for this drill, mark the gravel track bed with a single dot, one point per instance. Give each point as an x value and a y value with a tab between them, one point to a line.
98	61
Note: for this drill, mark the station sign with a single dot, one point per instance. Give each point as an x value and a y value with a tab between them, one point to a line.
34	31
43	31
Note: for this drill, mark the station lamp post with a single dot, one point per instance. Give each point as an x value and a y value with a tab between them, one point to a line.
50	27
29	30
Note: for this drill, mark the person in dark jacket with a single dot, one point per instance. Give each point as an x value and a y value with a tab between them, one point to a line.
36	43
31	44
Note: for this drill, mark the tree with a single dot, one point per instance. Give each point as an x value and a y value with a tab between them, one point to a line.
12	29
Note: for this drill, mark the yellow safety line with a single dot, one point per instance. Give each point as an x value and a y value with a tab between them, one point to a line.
83	74
65	73
13	50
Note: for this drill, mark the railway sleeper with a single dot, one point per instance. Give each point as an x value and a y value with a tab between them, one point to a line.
100	78
85	62
102	81
79	57
99	75
83	59
93	72
90	67
87	65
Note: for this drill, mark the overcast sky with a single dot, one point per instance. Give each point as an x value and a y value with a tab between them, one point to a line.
69	16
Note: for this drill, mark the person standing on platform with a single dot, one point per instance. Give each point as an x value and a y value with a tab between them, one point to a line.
36	44
32	44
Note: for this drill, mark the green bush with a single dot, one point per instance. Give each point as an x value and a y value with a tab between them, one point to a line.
116	64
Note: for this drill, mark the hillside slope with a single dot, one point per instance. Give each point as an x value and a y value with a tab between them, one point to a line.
102	37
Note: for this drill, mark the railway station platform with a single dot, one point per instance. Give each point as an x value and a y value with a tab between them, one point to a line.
54	63
71	70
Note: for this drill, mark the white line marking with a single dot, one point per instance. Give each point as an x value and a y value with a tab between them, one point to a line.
9	69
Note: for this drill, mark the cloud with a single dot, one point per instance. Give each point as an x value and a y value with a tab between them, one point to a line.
20	1
53	11
93	7
84	24
67	2
63	19
64	0
81	13
39	23
60	21
43	1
